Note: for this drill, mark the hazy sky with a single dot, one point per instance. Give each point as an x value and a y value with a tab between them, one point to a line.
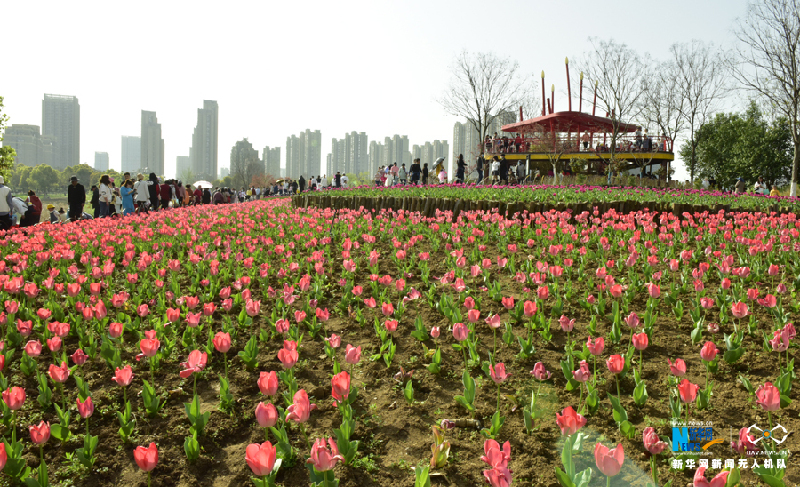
277	68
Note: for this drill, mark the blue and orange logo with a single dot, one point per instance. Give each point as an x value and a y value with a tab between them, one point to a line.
692	439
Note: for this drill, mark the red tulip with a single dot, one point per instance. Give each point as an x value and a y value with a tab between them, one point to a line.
768	397
391	326
149	347
288	357
718	481
195	363
542	292
266	415
709	352
688	391
498	477
677	369
322	458
473	315
597	347
539	372
529	308
652	442
193	319
252	308
632	320
54	344
615	364
340	386
609	461
323	314
335	341
640	341
40	433
260	458
387	309
370	302
146	458
268	383
301	408
123	376
25	328
569	421
33	348
115	329
173	314
299	316
14	397
222	342
79	358
85	408
498	373
494	455
59	374
508	303
654	290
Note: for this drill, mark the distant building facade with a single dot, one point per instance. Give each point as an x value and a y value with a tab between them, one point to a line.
272	161
182	164
304	154
204	150
244	163
152	144
349	154
101	161
131	154
61	119
31	147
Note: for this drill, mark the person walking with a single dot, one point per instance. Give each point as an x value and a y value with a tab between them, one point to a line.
460	168
5	205
479	162
165	192
76	198
415	170
142	189
104	196
425	174
302	183
34	200
95	201
402	174
154	191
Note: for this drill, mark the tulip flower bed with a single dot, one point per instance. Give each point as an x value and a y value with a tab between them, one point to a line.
548	194
259	344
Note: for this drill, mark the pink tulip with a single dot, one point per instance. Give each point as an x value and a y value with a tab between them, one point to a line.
266	415
340	386
146	458
473	315
539	372
260	458
335	341
494	455
352	354
498	477
85	408
460	331
609	462
54	344
678	369
288	357
640	341
14	397
222	342
595	348
59	374
632	320
543	292
301	408
709	352
653	290
195	363
268	383
322	458
745	443
387	309
569	421
739	309
494	322
566	324
435	332
582	374
688	391
33	348
718	481
79	358
529	308
115	330
498	373
252	308
40	433
768	397
508	303
149	347
615	364
123	376
652	442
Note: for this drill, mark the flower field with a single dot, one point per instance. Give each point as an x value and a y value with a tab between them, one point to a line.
261	344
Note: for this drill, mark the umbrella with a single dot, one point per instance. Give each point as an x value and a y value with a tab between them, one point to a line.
203	184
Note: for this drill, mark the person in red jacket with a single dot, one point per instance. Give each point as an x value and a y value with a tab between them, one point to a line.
198	196
166	194
36	214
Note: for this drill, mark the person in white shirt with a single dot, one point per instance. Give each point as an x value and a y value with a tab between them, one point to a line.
495	169
105	195
344	180
142	193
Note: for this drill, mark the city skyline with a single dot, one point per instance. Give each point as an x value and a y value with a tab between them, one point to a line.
370	101
61	119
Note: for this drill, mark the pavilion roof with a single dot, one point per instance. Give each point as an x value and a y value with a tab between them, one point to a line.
568	122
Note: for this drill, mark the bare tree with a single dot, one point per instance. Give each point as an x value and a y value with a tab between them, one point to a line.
481	86
620	75
700	71
244	163
769	62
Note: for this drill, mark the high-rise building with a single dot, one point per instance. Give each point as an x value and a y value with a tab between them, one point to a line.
32	149
131	153
244	163
349	155
101	161
61	119
304	154
375	156
399	151
328	165
183	168
203	153
272	161
152	145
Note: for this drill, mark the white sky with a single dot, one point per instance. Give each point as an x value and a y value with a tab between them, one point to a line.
277	68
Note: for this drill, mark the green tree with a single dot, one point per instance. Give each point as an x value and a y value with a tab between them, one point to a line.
7	153
82	171
18	174
43	178
747	145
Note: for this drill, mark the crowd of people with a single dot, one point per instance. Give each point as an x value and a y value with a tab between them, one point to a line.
518	143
